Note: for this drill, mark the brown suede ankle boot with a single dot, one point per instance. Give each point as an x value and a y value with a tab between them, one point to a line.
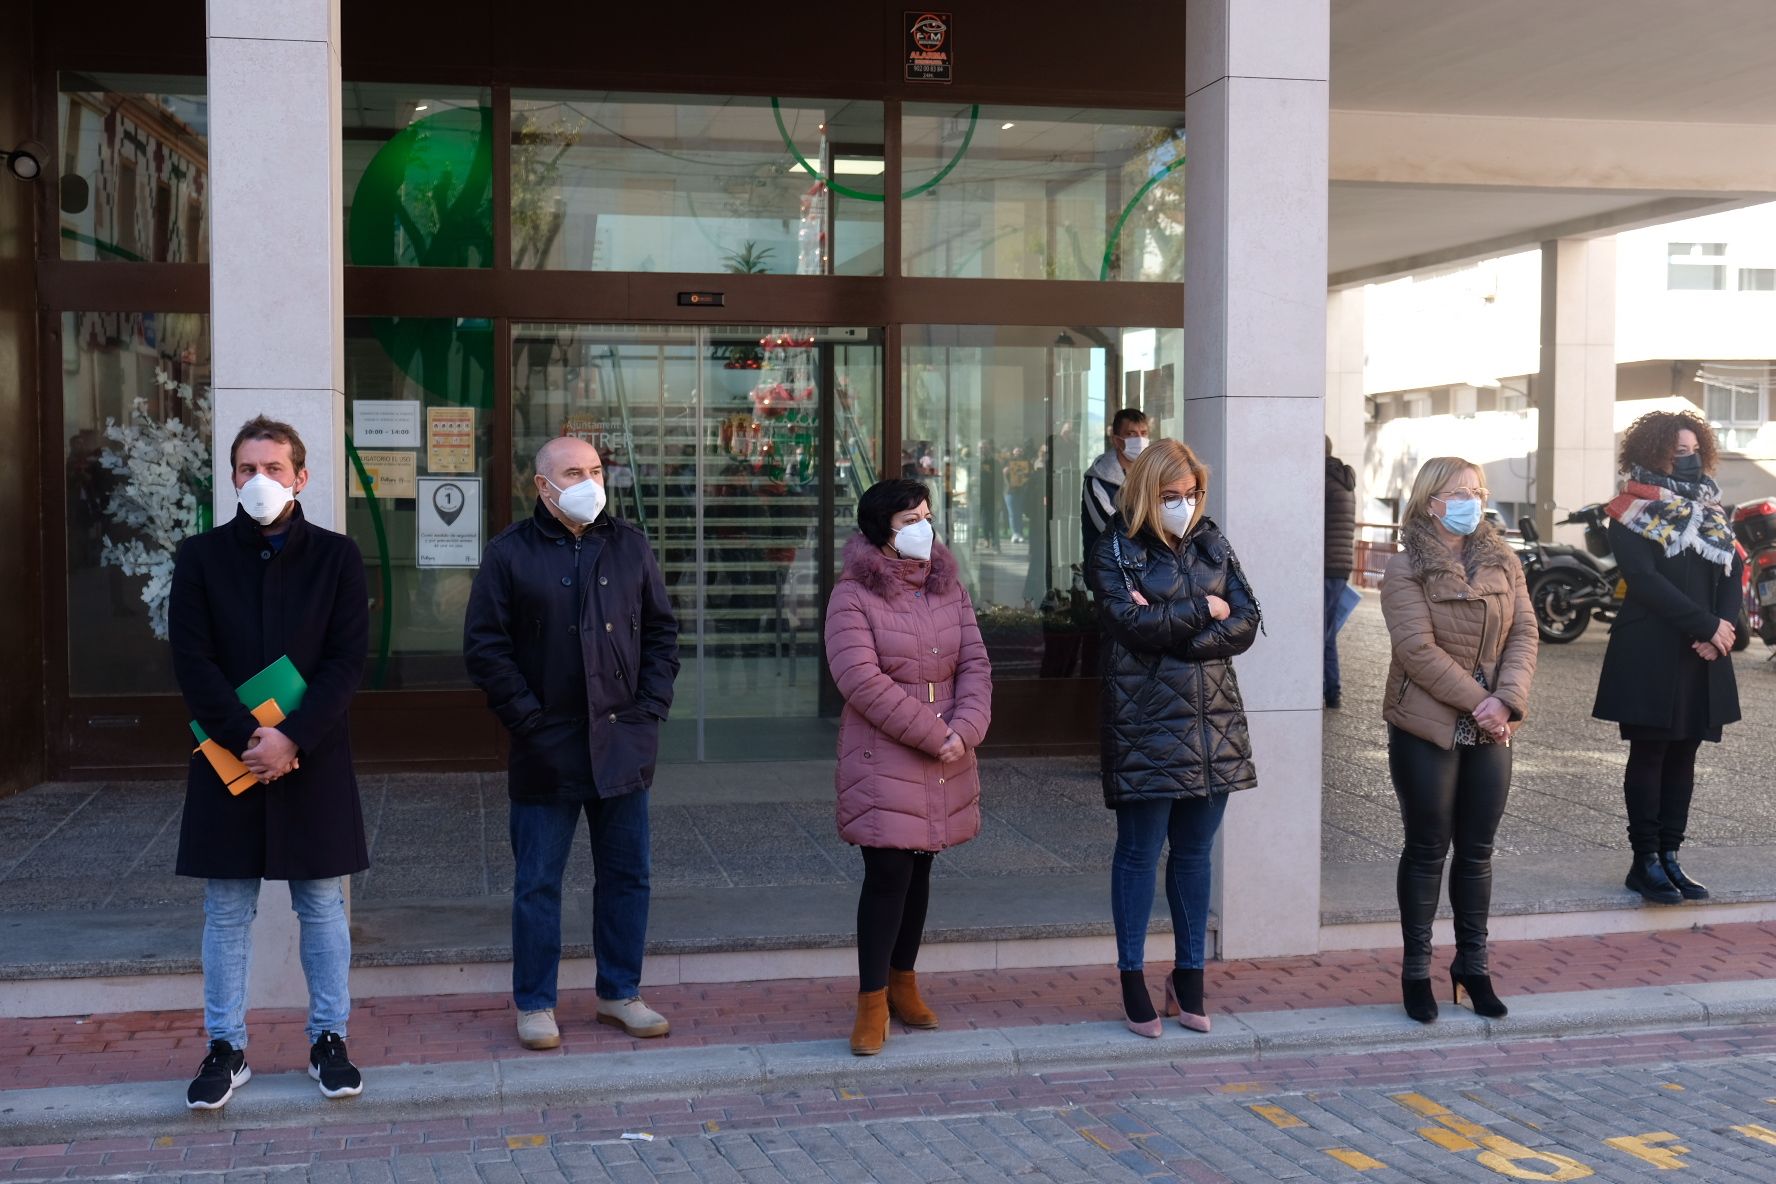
870	1032
904	1003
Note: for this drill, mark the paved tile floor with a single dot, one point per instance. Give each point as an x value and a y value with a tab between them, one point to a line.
1652	1106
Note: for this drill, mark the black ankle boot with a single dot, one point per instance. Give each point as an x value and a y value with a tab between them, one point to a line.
1673	872
1484	999
1421	1004
1648	878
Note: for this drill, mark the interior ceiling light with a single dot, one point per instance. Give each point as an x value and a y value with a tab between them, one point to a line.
1005	127
857	167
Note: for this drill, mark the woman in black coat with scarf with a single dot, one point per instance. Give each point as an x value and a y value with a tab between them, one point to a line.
1175	609
1668	673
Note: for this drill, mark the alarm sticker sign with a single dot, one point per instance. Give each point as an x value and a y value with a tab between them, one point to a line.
449	522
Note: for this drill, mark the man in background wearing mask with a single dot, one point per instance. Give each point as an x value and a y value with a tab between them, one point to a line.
265	586
571	636
1128	436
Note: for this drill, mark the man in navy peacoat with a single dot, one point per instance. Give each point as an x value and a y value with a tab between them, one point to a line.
266	585
570	634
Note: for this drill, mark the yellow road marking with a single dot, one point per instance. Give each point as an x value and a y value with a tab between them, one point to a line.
1240	1087
515	1142
1643	1147
712	1126
1091	1138
164	1141
1277	1117
1354	1159
1448	1140
1673	1086
1762	1134
1419	1104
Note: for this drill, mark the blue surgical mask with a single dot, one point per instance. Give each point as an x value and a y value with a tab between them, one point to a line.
1461	515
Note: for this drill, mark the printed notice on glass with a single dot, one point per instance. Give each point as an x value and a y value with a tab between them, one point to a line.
450	439
392	474
385	423
930	48
449	522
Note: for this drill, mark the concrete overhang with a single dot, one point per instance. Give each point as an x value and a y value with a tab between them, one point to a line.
1462	131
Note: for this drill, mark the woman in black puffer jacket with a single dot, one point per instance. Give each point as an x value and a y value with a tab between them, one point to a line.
1175	609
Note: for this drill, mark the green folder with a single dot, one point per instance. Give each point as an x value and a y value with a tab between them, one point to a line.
280	681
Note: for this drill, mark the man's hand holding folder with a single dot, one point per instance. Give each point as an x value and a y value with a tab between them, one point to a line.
277	690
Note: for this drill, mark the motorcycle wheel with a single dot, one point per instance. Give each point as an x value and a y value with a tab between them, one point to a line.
1556	619
1742	631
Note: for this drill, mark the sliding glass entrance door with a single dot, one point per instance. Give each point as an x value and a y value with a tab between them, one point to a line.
741	452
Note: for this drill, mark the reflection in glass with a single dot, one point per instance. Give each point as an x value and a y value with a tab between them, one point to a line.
1035	193
610	182
133	163
712	441
1003	423
136	426
436	374
417	173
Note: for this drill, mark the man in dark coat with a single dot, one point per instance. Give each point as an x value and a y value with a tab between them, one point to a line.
571	635
1341	547
265	586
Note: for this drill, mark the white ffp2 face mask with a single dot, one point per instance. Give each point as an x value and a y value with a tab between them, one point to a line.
264	499
1133	446
914	542
583	502
1177	520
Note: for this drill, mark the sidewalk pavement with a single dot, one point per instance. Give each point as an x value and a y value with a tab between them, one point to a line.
443	1055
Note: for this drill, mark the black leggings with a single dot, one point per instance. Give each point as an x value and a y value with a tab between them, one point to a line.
1447	796
890	912
1660	779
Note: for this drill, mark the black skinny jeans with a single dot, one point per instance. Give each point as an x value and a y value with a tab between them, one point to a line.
890	912
1447	797
1660	780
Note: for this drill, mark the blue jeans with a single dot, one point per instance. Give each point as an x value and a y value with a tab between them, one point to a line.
325	949
1141	829
1330	682
542	834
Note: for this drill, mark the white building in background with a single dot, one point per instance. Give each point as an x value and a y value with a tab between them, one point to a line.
1452	358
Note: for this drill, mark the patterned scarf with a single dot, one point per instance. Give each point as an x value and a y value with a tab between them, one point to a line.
1675	514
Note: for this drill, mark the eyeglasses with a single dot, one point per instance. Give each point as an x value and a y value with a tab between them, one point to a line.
1173	501
1472	495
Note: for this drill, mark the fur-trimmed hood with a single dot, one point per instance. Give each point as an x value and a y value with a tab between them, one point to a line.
891	578
1424	549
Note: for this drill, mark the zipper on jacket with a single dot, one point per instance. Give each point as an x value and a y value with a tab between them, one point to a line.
1405	681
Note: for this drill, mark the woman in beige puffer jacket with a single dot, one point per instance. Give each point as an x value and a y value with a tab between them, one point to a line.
1463	636
907	656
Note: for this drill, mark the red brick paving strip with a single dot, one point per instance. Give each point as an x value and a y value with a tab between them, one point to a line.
431	1029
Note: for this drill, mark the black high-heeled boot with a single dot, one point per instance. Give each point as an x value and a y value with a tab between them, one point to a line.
1675	873
1481	996
1648	878
1137	1006
1421	1004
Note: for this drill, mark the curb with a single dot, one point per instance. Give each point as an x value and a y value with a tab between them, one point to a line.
412	1092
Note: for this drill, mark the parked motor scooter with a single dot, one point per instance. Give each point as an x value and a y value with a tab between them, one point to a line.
1754	527
1569	586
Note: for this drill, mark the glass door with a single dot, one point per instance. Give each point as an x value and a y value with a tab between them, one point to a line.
741	452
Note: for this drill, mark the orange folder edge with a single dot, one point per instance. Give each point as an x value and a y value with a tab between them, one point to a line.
229	768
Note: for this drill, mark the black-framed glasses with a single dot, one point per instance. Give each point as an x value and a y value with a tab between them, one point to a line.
1175	501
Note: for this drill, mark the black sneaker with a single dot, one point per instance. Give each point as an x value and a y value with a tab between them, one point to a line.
328	1064
221	1073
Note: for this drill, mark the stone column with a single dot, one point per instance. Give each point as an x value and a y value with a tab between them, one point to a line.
1576	386
1255	385
1346	415
276	292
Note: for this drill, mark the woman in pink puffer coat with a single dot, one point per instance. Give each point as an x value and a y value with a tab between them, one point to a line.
907	655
